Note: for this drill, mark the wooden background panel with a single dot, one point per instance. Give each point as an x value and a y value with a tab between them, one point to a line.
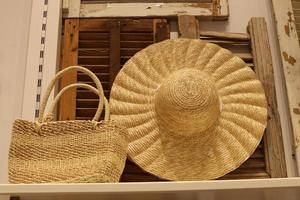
275	157
98	58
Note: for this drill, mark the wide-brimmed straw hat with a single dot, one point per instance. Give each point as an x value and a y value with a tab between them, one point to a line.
194	111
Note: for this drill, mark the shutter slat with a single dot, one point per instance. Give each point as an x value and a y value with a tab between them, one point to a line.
103	77
135	44
93	60
97	68
93	36
87	103
147	36
93	43
93	52
105	84
84	94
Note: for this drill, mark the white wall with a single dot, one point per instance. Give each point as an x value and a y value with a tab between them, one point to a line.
14	21
240	13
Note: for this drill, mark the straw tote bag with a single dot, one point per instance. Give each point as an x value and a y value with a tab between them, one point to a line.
76	151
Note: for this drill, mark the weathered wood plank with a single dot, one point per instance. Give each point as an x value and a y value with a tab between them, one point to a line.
275	157
67	103
65	7
85	94
161	30
220	9
128	36
188	26
203	10
225	35
114	49
71	7
127	25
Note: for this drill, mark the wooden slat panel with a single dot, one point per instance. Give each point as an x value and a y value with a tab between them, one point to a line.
87	103
135	44
70	53
94	36
224	41
188	26
246	175
224	35
127	25
161	30
105	44
94	25
84	94
146	36
137	26
93	60
93	52
114	54
104	77
93	44
98	68
105	84
275	158
143	33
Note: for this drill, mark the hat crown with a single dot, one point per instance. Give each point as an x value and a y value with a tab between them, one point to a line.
187	102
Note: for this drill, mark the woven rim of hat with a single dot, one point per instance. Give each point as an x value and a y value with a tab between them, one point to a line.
193	110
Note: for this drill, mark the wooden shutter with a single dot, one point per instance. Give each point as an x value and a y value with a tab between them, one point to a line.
105	45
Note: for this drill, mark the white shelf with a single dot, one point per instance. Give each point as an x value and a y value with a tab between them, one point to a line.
258	189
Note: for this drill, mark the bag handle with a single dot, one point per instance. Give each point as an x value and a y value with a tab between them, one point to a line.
78	85
58	76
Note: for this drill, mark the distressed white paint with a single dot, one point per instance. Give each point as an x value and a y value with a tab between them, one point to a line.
224	8
241	12
65	6
141	10
289	45
73	7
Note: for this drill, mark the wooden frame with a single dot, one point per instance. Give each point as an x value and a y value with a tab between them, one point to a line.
273	143
269	159
290	60
214	10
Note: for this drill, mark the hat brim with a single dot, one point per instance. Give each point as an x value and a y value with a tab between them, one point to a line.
229	143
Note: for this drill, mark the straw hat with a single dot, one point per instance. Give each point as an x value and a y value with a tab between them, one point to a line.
193	110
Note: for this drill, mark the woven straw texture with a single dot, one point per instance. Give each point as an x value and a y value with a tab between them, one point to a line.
193	110
76	151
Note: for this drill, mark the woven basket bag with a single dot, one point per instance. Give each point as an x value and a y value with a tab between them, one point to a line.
75	151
